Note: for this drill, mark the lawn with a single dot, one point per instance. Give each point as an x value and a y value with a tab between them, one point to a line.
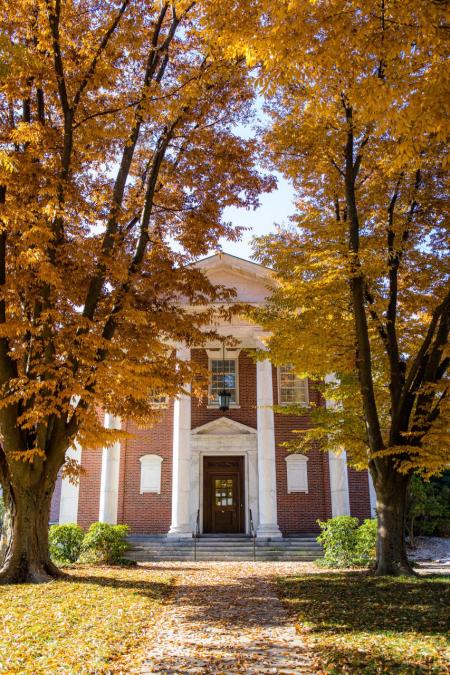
93	621
357	623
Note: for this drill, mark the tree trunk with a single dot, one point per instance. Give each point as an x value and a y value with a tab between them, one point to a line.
24	555
391	489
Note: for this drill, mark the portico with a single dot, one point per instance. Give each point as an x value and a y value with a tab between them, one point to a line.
225	437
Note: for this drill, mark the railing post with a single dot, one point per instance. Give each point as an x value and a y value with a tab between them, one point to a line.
253	533
196	533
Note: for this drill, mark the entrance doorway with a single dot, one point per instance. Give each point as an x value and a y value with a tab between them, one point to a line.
223	493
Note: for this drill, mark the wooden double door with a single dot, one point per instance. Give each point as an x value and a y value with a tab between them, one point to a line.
223	495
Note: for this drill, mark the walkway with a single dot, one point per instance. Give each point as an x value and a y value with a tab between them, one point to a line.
227	618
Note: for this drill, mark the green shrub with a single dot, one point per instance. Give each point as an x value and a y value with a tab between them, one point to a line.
105	543
428	510
65	542
345	543
366	543
338	538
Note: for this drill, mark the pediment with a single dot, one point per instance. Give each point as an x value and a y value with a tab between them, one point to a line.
251	282
223	426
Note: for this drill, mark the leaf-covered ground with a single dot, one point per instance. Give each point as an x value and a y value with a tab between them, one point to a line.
357	623
93	621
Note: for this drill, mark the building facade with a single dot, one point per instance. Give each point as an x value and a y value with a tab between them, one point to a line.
219	469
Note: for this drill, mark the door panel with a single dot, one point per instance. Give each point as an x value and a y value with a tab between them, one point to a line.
223	493
226	503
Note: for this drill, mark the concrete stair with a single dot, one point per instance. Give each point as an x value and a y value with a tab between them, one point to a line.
147	548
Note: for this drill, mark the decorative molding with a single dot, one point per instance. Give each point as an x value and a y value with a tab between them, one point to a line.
216	353
223	426
150	474
297	473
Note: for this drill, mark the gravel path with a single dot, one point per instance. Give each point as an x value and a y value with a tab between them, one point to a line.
226	618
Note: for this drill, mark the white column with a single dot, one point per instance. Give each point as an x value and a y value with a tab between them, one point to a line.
180	526
337	462
267	481
109	482
372	497
340	498
68	504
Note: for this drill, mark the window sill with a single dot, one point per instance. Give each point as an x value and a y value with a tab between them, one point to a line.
233	406
300	405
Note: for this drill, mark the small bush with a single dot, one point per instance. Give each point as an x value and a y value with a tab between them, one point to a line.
345	543
338	538
366	543
104	543
65	542
428	509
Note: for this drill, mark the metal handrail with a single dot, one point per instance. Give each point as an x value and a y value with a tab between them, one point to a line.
252	533
196	533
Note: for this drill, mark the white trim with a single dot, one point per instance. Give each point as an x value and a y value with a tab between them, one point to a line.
68	503
180	526
296	473
228	261
267	475
372	496
215	406
337	465
110	476
223	423
225	438
217	352
340	497
150	464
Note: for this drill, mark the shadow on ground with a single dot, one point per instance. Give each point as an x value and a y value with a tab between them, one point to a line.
361	623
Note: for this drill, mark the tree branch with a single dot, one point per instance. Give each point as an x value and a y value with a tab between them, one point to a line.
101	48
364	356
96	283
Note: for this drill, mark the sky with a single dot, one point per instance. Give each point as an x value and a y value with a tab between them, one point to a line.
275	209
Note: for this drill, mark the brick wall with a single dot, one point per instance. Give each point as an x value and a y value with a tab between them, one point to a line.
147	513
89	496
358	485
298	511
151	513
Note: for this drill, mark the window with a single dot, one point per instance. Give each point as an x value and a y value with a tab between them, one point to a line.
297	473
223	491
158	400
292	389
223	375
151	473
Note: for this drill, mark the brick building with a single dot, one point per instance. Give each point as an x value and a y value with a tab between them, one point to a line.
200	461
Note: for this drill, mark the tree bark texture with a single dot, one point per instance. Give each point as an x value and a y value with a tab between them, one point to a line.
24	555
392	491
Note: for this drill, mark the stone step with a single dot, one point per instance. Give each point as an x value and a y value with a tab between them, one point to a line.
270	547
214	558
218	547
222	548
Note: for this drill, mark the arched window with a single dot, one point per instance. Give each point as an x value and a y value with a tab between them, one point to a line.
151	473
297	473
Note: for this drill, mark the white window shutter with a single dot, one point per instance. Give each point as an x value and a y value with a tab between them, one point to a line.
297	473
151	473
